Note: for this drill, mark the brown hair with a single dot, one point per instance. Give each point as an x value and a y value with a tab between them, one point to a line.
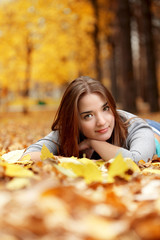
66	119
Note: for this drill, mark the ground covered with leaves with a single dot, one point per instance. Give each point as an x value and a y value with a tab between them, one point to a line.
72	199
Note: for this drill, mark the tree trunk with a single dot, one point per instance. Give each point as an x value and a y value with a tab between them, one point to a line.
112	67
127	84
141	84
27	75
96	41
151	80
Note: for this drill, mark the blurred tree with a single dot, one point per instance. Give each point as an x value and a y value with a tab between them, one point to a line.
97	40
104	18
42	44
141	59
112	47
142	66
113	67
127	84
151	79
56	41
67	47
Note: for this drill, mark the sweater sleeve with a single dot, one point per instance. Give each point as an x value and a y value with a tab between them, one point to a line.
50	141
140	143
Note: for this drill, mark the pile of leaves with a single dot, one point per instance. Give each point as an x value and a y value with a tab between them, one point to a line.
77	199
18	131
70	198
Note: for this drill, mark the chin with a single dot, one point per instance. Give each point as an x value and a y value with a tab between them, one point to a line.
102	139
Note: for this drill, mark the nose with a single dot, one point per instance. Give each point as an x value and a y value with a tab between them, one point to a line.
100	120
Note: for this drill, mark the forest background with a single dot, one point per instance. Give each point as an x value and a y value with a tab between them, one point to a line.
44	45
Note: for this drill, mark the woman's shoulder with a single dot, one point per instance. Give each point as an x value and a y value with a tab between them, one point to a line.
127	115
134	122
53	135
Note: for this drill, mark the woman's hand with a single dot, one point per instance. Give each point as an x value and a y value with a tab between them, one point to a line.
85	148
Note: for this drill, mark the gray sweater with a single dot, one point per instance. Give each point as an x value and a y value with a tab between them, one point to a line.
140	142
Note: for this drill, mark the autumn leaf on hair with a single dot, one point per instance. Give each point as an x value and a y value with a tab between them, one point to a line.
46	154
122	168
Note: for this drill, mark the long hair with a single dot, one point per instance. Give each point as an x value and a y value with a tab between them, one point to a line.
66	118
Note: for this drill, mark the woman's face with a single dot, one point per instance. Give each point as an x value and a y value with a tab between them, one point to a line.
96	120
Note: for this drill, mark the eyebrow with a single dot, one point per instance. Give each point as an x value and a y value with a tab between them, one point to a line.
104	105
87	112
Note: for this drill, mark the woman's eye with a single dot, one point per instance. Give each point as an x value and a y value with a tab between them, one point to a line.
106	108
87	116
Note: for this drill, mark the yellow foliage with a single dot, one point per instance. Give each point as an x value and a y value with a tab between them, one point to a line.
13	170
86	169
152	171
45	153
56	34
132	165
93	171
13	156
120	167
18	183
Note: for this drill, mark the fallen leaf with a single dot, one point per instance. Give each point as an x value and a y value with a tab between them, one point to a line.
13	156
14	170
153	171
45	153
18	183
86	169
120	167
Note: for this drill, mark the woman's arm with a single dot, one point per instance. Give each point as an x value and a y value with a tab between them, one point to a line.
140	144
50	141
35	156
104	149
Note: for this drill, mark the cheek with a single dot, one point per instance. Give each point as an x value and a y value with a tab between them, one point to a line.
80	124
113	121
86	127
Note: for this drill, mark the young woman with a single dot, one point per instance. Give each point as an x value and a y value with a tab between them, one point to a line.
87	121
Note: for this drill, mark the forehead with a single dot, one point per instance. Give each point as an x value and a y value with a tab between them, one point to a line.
90	101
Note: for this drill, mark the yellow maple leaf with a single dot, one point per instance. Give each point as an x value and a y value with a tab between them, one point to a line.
67	172
45	153
25	159
120	166
132	165
86	169
13	156
14	170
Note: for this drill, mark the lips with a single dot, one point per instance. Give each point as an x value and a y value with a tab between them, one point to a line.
104	130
